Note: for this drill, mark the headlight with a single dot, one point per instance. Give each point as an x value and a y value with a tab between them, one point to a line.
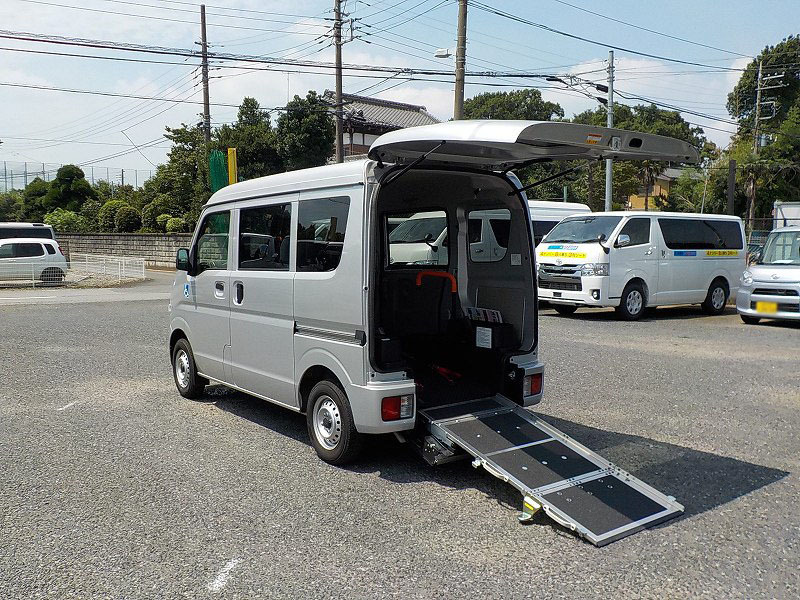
747	278
590	269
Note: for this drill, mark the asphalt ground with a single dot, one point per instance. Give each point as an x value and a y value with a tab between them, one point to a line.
113	486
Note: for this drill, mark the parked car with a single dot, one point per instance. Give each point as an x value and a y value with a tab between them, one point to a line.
637	259
37	259
771	288
26	230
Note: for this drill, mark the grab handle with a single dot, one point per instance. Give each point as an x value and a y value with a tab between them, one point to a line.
445	274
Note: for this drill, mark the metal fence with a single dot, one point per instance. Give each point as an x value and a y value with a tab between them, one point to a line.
90	270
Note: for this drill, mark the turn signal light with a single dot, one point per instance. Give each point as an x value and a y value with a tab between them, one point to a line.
397	407
532	385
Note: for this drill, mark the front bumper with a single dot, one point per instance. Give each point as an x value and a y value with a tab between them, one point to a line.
581	297
785	295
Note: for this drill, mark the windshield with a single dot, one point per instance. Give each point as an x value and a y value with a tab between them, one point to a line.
416	230
782	248
582	229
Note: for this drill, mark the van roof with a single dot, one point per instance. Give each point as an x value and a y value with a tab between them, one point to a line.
347	173
787	228
24	240
548	204
652	213
15	224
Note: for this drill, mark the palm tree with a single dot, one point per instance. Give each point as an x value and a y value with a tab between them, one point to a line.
649	171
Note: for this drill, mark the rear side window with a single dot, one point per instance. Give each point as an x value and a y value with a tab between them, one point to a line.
26	232
321	226
638	230
6	251
212	242
475	227
264	237
50	249
541	229
701	234
27	250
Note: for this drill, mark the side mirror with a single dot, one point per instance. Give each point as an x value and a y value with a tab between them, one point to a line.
623	240
756	256
182	260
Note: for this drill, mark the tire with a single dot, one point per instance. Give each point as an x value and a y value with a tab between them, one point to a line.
633	302
52	275
184	371
717	298
330	424
565	310
750	320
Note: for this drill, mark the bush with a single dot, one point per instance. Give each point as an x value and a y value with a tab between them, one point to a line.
127	219
107	215
89	212
161	221
176	225
65	221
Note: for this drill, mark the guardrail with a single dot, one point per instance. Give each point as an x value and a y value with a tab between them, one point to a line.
121	267
80	268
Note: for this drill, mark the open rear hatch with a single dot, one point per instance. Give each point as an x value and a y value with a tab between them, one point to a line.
574	486
502	145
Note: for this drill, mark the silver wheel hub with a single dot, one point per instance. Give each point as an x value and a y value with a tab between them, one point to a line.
718	298
182	369
634	302
327	422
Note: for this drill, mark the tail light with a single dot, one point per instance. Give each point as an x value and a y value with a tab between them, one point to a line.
397	407
532	385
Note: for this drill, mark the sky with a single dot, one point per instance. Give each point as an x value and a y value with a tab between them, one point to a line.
107	132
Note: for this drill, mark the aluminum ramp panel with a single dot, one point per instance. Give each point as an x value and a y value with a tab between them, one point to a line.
573	485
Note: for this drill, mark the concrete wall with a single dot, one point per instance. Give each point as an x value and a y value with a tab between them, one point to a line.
158	249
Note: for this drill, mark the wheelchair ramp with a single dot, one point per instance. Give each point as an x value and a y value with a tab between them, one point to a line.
573	485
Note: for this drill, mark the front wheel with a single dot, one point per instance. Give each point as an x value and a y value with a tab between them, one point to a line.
330	424
717	297
750	320
565	309
189	383
632	304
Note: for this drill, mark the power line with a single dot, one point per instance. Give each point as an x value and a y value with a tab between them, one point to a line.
661	33
518	19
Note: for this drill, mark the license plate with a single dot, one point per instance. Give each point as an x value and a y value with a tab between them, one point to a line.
767	307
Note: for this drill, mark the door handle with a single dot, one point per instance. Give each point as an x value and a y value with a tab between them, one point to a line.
478	250
238	296
219	289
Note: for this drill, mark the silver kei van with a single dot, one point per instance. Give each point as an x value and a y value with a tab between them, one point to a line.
771	287
297	288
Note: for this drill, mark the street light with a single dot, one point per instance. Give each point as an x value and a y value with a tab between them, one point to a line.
442	53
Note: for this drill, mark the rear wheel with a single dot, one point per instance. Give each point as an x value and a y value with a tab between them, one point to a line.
717	297
632	304
52	275
189	383
330	424
565	309
750	320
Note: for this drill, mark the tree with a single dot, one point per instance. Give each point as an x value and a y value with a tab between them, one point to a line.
65	221
518	104
106	217
69	190
127	219
33	207
11	206
306	132
649	170
254	140
176	225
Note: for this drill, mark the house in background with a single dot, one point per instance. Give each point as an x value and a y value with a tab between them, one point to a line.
661	187
366	119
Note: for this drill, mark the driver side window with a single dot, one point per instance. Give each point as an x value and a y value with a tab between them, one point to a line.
638	230
211	249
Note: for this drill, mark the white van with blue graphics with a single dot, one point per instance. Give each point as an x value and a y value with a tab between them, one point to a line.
634	260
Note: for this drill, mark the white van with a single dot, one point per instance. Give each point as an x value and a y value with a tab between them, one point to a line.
26	230
342	323
633	260
546	214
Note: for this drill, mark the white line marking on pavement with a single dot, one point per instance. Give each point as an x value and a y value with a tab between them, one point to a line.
28	297
67	405
222	577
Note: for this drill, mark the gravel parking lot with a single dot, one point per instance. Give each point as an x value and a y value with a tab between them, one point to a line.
112	485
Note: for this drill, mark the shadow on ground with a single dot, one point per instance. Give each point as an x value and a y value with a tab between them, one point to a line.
701	481
682	312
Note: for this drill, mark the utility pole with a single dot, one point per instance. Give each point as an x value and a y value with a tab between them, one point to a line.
204	47
122	178
610	123
758	107
5	176
25	170
461	58
731	184
337	41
